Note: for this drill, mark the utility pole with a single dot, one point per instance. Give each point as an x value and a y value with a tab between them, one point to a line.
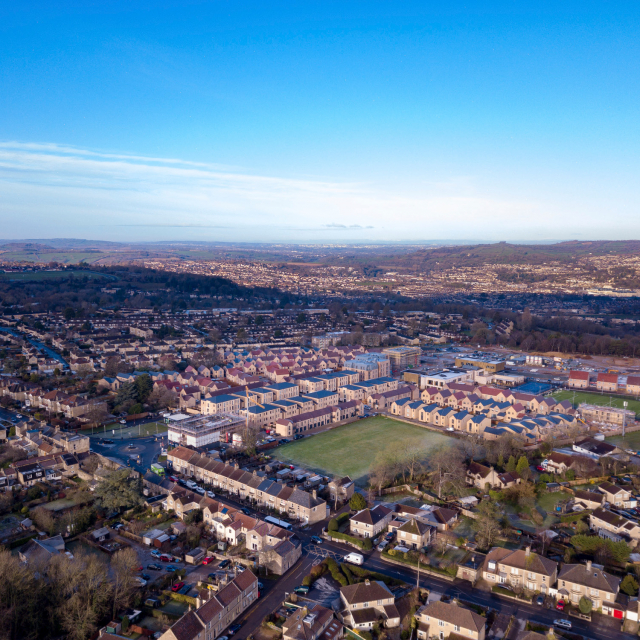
625	404
418	579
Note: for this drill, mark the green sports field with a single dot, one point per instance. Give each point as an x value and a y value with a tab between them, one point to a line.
597	398
350	450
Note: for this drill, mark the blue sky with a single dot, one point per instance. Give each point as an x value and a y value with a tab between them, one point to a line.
319	121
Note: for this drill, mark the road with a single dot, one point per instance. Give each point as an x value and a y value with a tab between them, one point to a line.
148	450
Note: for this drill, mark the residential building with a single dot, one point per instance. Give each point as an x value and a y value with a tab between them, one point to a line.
415	534
579	379
590	581
520	569
364	603
607	382
212	617
441	619
368	523
312	622
612	526
341	490
617	496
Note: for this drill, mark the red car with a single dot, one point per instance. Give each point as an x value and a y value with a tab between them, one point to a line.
207	560
539	468
177	586
560	605
164	558
140	568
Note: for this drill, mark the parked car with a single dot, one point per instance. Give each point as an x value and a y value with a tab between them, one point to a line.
199	490
260	586
210	494
563	624
165	558
173	479
298	436
284	440
140	581
145	576
155	553
235	627
170	568
316	539
154	567
540	601
560	605
185	589
389	536
212	576
383	545
224	563
247	512
208	559
540	469
177	586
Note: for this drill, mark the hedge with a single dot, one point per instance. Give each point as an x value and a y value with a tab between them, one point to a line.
180	597
315	573
342	518
20	541
506	592
348	575
364	544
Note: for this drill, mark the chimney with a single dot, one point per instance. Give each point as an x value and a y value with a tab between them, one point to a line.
314	493
367	582
588	566
527	551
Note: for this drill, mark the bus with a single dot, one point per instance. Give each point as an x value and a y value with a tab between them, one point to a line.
278	523
157	469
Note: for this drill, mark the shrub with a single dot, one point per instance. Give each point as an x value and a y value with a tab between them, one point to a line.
361	543
333	525
345	569
357	502
342	518
585	605
629	585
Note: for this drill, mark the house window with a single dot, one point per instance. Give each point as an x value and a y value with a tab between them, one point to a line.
441	623
456	627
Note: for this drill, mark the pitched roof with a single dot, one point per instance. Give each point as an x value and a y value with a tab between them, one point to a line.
591	577
368	591
454	614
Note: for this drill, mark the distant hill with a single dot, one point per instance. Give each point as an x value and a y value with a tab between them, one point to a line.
506	253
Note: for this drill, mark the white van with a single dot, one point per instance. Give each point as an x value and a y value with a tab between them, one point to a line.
191	484
354	558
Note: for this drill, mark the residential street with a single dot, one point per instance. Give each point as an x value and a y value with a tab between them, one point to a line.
600	626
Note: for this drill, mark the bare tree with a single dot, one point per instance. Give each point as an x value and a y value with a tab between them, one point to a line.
45	520
445	464
381	471
123	566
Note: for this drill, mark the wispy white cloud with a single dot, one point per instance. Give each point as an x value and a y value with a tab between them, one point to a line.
64	190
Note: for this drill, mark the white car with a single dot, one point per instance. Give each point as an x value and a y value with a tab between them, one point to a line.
210	494
140	581
449	429
563	624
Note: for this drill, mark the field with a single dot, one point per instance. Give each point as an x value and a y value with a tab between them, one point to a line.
629	441
350	449
597	398
126	433
38	276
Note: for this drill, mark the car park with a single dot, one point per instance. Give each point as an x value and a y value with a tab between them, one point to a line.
177	586
141	582
155	553
165	558
145	576
154	567
170	568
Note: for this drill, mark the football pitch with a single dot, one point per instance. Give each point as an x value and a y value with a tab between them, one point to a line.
597	398
350	449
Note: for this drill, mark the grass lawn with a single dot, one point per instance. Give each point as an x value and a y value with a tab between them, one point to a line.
350	449
630	441
65	503
597	398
